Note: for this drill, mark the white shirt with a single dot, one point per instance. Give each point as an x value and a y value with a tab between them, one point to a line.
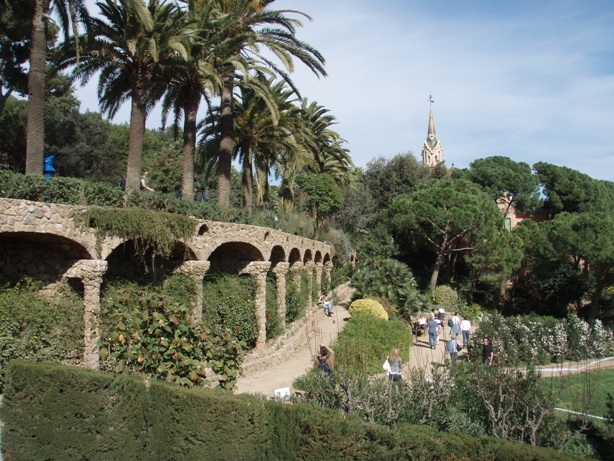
456	319
466	325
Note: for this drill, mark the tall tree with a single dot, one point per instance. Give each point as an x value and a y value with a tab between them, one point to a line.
256	27
503	177
448	216
70	12
130	53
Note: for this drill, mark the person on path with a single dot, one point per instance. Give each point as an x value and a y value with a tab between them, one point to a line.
488	352
466	331
452	348
328	307
325	360
144	184
454	324
396	365
433	329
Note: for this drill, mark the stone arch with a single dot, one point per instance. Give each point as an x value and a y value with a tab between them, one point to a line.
294	257
42	256
318	257
308	257
278	254
128	261
231	257
203	229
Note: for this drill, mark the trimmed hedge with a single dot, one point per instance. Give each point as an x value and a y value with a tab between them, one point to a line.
56	412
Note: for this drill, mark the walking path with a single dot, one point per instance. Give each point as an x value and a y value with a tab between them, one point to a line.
291	356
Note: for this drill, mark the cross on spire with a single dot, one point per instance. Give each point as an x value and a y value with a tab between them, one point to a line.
431	100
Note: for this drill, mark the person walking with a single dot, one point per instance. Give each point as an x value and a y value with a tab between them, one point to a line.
452	348
488	352
144	183
433	329
396	365
466	331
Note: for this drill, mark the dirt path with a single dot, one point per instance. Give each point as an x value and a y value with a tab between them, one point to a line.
297	352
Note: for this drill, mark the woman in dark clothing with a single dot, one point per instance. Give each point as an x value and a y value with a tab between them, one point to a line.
488	352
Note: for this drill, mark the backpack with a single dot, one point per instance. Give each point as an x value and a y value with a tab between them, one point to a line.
450	323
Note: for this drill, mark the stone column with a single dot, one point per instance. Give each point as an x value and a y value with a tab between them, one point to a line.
91	272
328	268
295	268
196	270
259	270
319	267
309	268
280	271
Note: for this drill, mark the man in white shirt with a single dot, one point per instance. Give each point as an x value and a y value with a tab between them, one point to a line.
466	331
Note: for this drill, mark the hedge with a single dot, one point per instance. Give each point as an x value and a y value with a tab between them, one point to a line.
55	412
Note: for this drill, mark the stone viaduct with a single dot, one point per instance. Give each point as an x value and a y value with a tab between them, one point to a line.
42	241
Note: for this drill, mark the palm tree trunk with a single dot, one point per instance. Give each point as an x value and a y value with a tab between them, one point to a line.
248	179
226	145
35	134
189	146
135	143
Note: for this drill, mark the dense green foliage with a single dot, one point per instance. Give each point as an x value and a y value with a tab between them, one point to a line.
39	326
151	330
367	341
229	303
64	412
391	283
369	307
540	340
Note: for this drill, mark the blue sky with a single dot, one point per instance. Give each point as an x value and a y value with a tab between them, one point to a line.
530	80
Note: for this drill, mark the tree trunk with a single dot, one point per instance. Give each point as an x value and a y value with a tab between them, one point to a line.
438	263
189	146
248	179
35	134
226	145
135	143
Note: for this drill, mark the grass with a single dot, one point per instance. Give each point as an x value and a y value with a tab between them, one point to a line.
583	391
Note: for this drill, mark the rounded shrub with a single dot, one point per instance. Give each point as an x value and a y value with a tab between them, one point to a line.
370	307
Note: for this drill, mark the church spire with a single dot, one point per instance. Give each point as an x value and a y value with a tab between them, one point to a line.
432	152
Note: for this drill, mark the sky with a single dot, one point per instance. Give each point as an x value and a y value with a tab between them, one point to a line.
529	80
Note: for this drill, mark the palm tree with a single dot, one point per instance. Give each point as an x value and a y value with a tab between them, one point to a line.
130	55
255	26
70	12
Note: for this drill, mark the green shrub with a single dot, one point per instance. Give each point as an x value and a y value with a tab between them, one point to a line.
273	325
393	283
296	301
366	341
444	295
39	327
150	330
369	307
229	304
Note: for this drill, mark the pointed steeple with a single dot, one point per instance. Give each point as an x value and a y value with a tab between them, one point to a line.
432	152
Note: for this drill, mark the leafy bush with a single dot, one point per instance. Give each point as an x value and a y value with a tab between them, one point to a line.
39	327
149	330
229	304
393	283
444	295
539	340
366	341
273	325
369	307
